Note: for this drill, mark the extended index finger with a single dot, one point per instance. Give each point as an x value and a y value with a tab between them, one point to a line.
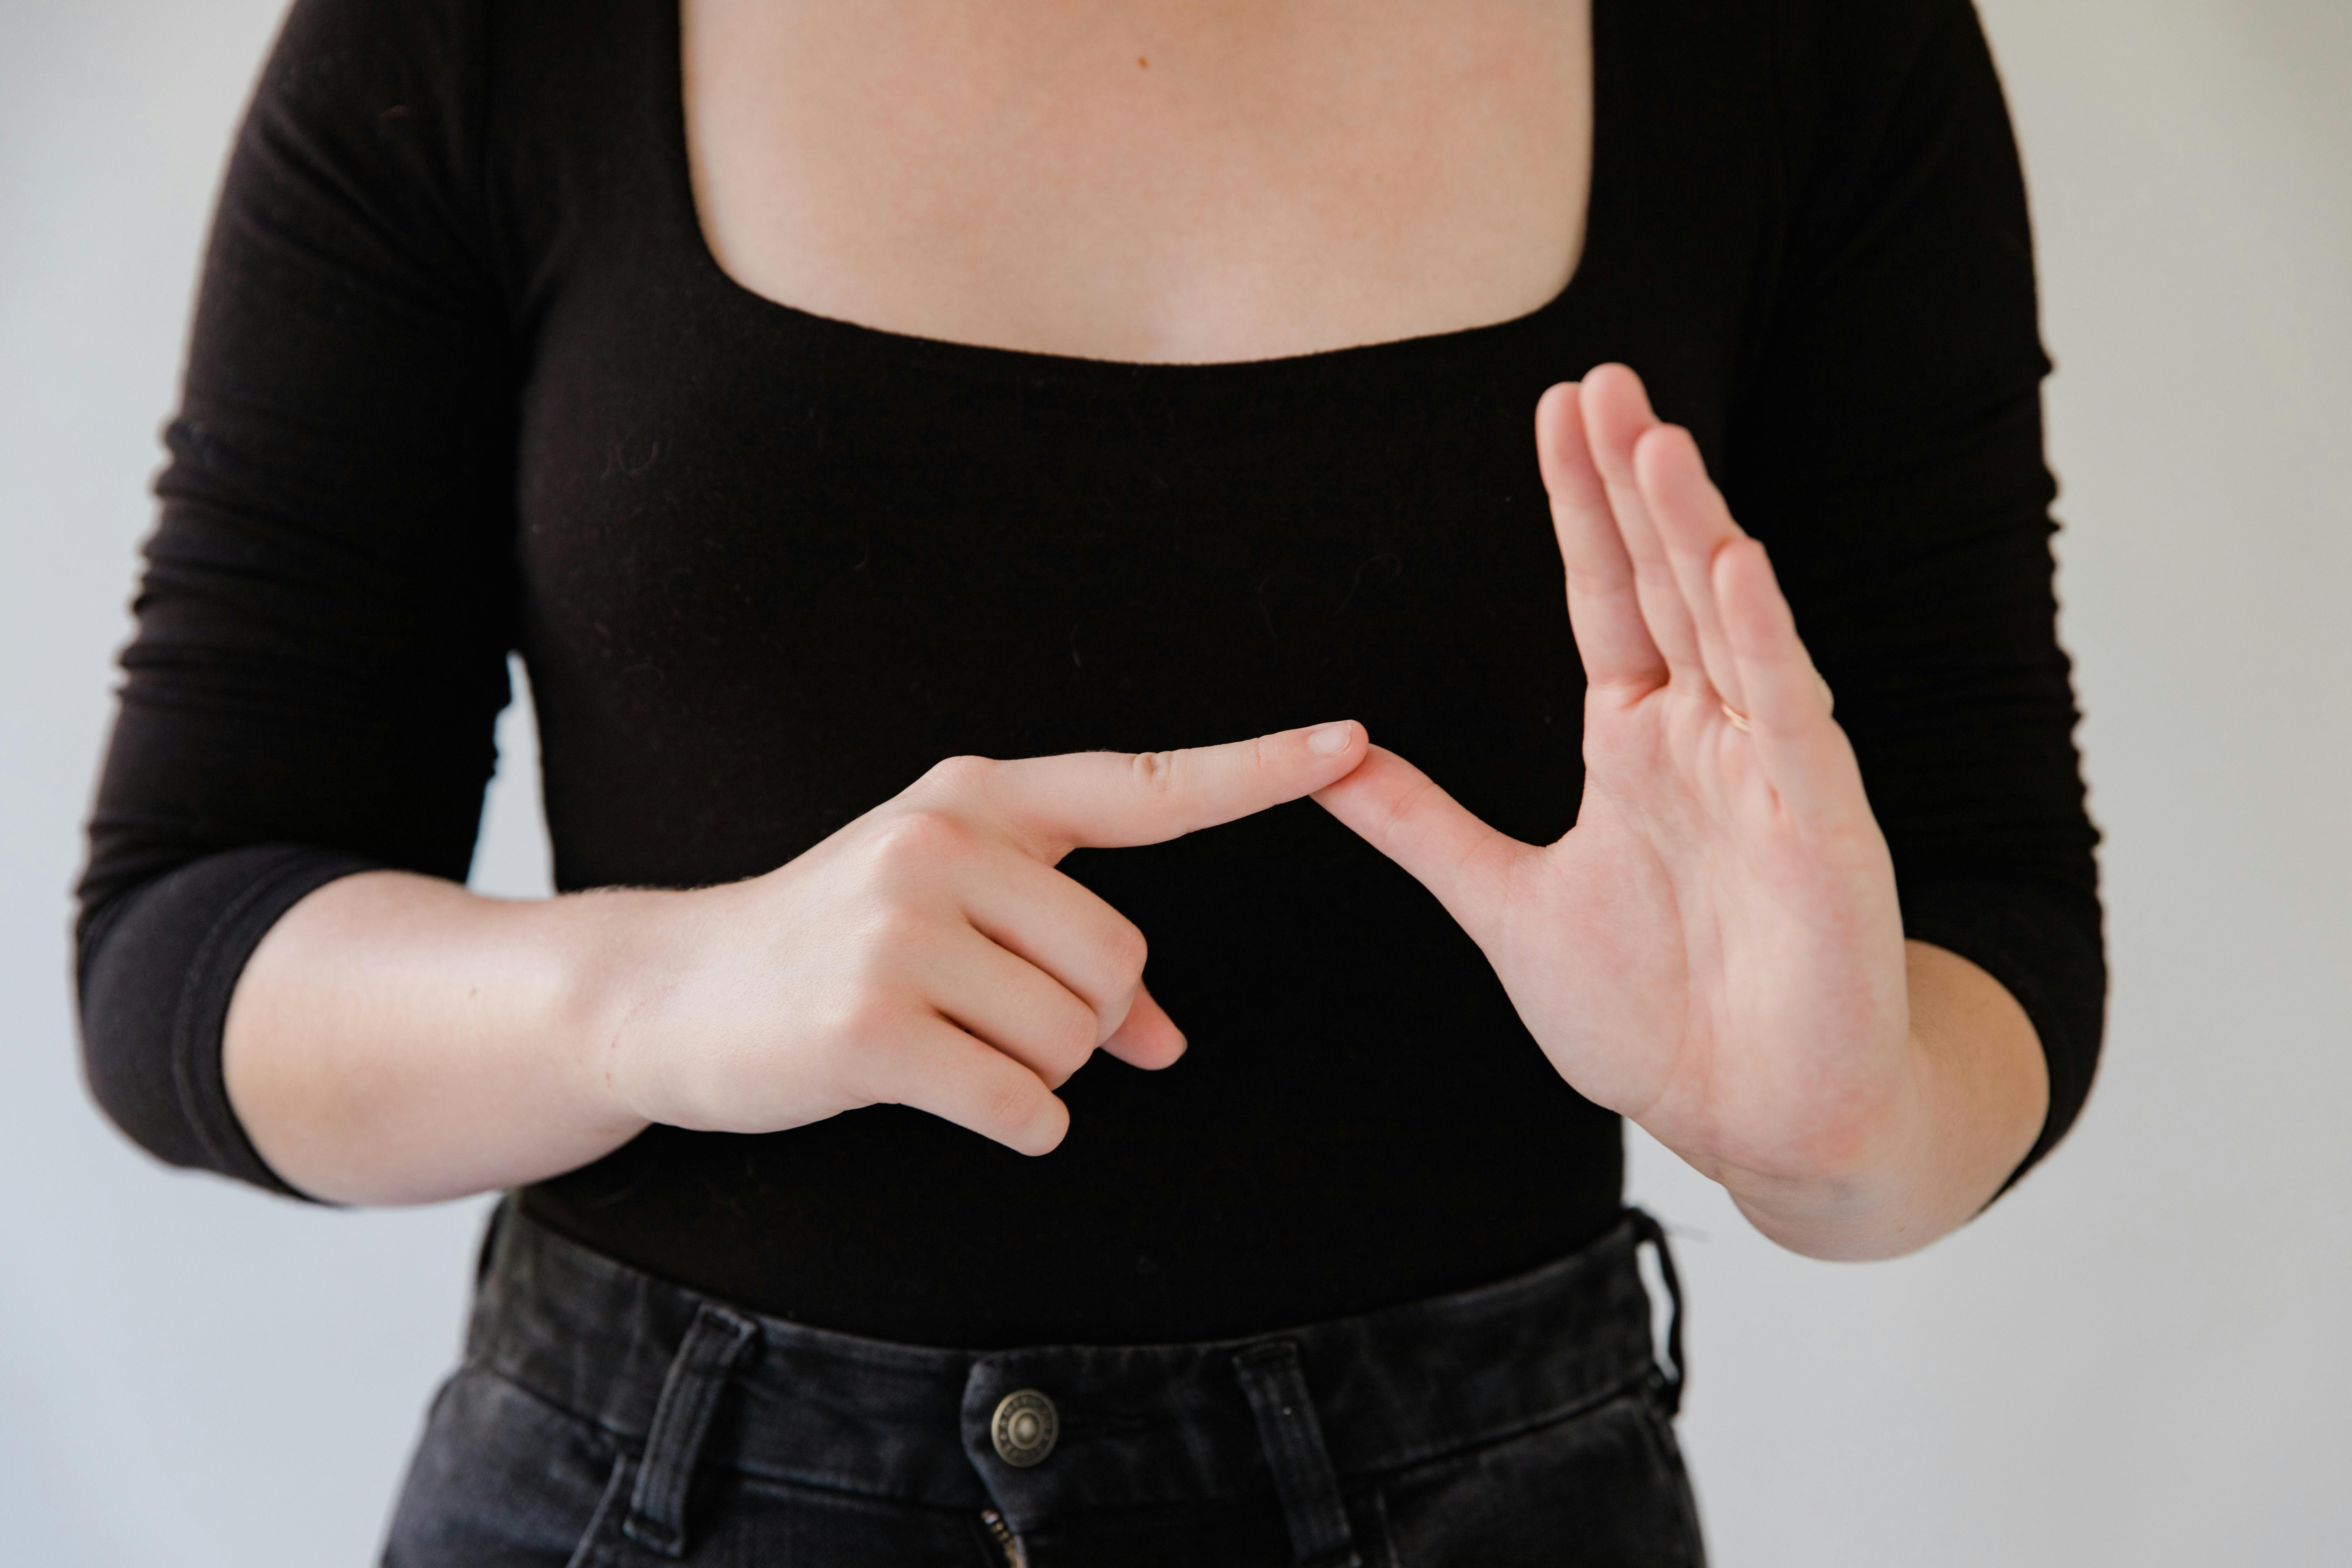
1107	800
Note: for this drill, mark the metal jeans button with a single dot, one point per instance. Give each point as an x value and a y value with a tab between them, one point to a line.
1024	1427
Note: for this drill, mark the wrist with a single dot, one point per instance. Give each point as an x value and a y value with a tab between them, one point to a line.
612	944
1971	1095
1856	1194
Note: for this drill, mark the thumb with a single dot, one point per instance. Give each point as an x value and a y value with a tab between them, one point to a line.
1148	1038
1401	812
1109	800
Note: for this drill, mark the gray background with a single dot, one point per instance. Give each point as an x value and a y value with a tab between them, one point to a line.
2139	1357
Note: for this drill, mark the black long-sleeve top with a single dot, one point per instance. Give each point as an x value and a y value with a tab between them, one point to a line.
465	380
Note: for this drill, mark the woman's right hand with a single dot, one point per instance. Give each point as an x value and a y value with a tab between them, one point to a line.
928	954
396	1038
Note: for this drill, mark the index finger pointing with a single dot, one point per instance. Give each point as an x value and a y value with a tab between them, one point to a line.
1107	800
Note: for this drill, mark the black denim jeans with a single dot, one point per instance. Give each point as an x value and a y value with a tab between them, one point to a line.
604	1417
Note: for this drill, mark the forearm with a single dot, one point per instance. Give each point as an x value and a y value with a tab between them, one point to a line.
1969	1106
398	1039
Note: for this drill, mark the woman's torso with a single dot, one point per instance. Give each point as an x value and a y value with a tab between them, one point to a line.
773	564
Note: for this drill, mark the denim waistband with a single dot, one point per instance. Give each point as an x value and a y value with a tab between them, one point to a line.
1137	1423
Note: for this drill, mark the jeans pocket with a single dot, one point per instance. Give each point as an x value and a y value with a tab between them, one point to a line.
502	1480
1603	1488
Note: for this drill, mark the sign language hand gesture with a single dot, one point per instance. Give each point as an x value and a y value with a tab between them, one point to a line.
1715	949
929	954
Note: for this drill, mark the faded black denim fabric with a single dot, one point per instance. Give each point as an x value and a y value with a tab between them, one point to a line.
605	1418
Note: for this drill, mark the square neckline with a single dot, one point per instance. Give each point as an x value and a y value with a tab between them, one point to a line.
957	355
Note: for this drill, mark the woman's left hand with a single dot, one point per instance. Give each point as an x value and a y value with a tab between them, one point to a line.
1716	949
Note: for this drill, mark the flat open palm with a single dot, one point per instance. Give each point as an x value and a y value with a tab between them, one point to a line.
1716	949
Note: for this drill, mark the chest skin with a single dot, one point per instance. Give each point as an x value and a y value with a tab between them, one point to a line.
1144	180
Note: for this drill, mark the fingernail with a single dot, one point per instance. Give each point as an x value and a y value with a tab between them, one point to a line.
1331	740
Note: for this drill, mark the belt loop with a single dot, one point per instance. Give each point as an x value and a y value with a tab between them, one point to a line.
488	1250
1646	1229
1303	1478
689	1397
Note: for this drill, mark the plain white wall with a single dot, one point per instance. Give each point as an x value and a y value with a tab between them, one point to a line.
2139	1357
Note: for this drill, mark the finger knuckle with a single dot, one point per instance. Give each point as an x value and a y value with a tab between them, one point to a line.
960	776
860	1030
1070	1042
1157	771
1009	1102
1125	952
923	835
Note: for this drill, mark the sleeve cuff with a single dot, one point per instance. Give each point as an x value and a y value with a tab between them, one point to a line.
157	972
2043	944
